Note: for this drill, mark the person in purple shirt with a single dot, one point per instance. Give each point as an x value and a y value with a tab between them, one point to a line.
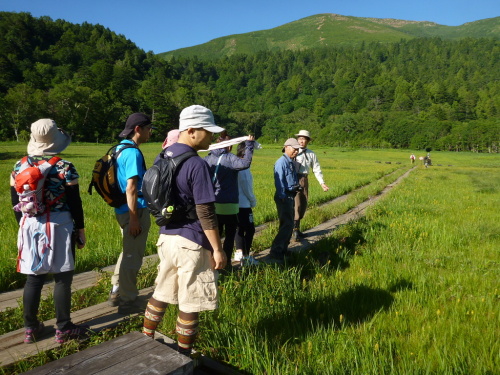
190	250
287	185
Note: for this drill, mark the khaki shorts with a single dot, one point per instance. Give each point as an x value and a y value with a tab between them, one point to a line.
185	275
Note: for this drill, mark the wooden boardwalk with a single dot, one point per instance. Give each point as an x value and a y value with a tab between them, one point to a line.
12	348
132	353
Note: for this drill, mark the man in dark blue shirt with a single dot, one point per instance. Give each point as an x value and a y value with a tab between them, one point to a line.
190	250
287	184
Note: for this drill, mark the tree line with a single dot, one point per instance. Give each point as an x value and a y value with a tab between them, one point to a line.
416	94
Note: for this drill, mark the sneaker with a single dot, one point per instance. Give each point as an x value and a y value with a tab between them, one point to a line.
71	331
249	261
32	334
114	298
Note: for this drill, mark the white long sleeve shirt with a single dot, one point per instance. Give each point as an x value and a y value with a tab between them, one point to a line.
306	159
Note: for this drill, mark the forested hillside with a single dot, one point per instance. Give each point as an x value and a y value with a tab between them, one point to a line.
424	92
334	30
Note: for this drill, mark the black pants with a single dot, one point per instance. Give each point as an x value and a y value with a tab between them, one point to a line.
285	209
228	224
246	230
62	298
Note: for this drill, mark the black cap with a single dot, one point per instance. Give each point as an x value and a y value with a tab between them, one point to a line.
135	119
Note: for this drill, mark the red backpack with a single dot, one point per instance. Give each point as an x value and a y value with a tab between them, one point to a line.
30	185
29	182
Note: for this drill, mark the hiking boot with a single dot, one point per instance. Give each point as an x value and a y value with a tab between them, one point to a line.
295	235
114	298
32	334
129	307
71	331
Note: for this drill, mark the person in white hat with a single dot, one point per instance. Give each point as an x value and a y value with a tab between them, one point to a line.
59	228
190	248
306	161
287	185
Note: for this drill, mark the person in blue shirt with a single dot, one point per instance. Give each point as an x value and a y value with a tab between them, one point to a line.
287	185
133	216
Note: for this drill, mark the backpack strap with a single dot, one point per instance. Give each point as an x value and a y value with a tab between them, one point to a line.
217	168
125	146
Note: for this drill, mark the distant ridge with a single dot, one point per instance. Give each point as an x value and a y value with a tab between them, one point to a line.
323	30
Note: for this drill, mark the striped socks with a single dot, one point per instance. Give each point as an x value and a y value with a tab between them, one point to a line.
153	316
186	335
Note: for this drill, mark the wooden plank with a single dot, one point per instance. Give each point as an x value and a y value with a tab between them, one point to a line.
80	281
12	348
132	353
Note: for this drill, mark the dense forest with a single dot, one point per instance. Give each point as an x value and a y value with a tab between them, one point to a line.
419	93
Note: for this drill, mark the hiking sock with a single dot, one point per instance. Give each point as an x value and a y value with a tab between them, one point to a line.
186	335
153	316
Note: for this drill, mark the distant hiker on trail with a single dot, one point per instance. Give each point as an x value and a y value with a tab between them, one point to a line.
412	158
224	167
133	216
190	250
306	160
287	186
49	229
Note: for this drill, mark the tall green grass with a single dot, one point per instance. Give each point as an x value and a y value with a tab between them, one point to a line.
410	289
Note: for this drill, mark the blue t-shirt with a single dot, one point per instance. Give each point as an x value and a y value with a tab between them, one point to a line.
130	163
193	184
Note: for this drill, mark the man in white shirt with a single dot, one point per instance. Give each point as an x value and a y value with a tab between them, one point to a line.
306	160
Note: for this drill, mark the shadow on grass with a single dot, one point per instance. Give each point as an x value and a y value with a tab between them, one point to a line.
7	155
355	306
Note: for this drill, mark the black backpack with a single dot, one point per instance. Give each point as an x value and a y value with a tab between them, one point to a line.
157	190
105	176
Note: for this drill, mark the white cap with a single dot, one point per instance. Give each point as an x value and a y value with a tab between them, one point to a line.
197	116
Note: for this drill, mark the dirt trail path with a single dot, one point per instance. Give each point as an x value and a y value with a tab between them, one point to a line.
90	278
323	230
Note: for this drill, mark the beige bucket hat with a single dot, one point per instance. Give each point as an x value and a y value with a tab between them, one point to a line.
47	139
303	133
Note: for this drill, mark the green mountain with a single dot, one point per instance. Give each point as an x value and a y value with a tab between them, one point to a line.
324	30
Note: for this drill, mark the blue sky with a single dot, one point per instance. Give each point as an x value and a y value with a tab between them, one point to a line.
165	25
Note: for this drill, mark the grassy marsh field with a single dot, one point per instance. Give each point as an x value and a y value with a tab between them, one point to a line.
412	288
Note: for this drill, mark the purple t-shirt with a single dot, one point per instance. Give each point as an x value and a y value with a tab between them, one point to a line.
194	185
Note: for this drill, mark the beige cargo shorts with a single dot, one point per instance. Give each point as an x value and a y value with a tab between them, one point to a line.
185	275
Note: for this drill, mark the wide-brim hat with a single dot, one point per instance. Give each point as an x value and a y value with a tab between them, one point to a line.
303	133
291	142
47	139
196	117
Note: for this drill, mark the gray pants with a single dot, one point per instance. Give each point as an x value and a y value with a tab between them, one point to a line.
301	198
285	213
130	260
